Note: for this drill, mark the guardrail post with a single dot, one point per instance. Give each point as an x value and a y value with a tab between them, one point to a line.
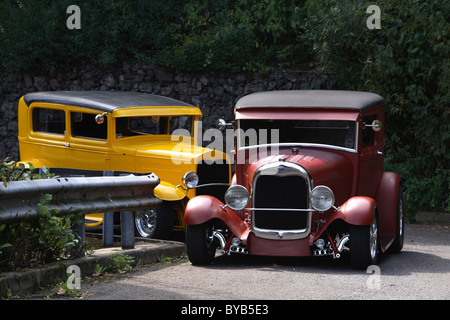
108	229
79	230
127	229
108	222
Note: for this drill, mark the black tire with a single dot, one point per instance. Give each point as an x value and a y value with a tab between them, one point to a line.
397	245
200	245
154	223
364	245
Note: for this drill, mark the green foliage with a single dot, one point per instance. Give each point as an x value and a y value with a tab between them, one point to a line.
406	62
28	243
120	262
228	35
36	242
10	171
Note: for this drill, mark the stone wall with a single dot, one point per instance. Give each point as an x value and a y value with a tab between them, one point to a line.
215	94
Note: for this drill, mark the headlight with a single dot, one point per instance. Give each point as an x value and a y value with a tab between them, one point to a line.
237	197
322	198
190	180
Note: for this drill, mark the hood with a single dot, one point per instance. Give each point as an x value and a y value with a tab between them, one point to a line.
164	149
328	168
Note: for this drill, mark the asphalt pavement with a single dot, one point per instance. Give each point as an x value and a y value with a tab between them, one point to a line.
25	282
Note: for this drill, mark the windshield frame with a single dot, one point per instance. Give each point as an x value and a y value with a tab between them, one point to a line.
168	131
240	138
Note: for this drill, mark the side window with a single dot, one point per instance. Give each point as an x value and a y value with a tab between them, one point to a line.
84	125
368	134
49	121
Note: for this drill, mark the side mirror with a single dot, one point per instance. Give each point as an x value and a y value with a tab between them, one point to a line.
376	125
222	124
100	118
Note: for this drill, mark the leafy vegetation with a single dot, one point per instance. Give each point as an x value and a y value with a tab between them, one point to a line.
34	242
120	262
406	61
227	35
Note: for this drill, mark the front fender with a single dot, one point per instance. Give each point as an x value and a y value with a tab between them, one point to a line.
201	209
357	211
169	192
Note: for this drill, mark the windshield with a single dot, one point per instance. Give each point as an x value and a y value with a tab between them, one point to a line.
334	133
152	125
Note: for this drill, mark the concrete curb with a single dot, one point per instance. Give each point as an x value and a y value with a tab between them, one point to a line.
425	216
25	282
146	251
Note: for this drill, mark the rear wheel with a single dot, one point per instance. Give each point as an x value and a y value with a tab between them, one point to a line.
364	250
397	245
200	244
154	223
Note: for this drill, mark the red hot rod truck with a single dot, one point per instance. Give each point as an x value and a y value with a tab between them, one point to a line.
309	181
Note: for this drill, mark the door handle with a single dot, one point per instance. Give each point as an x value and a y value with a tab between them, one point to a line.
380	153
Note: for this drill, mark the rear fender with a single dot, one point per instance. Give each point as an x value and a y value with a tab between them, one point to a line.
387	198
34	163
201	209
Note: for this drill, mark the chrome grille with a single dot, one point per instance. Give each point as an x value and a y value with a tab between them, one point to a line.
279	186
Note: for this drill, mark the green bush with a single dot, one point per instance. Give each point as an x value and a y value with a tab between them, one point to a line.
406	62
38	241
228	35
120	262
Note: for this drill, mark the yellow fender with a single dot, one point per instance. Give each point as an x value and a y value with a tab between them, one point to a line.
169	192
94	219
35	163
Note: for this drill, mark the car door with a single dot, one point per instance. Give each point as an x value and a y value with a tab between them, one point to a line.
371	157
88	144
47	143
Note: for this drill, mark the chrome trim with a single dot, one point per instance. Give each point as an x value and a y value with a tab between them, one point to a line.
294	144
220	237
342	242
203	185
291	169
281	209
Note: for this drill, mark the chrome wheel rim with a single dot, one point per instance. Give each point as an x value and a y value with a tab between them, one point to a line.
145	221
373	239
400	223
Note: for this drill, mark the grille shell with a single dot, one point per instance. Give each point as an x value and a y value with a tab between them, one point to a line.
278	186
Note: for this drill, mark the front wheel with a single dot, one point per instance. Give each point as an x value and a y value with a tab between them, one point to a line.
364	250
200	244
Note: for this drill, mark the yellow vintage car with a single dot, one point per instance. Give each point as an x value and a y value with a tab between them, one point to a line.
95	133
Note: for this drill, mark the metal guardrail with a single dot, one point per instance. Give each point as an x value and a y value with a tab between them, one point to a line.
19	200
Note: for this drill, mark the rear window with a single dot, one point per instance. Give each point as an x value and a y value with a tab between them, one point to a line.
49	120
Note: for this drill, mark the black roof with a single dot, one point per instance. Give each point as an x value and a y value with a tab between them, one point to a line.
357	100
103	100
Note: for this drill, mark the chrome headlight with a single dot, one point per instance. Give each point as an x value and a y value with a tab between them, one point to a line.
190	180
236	197
322	198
